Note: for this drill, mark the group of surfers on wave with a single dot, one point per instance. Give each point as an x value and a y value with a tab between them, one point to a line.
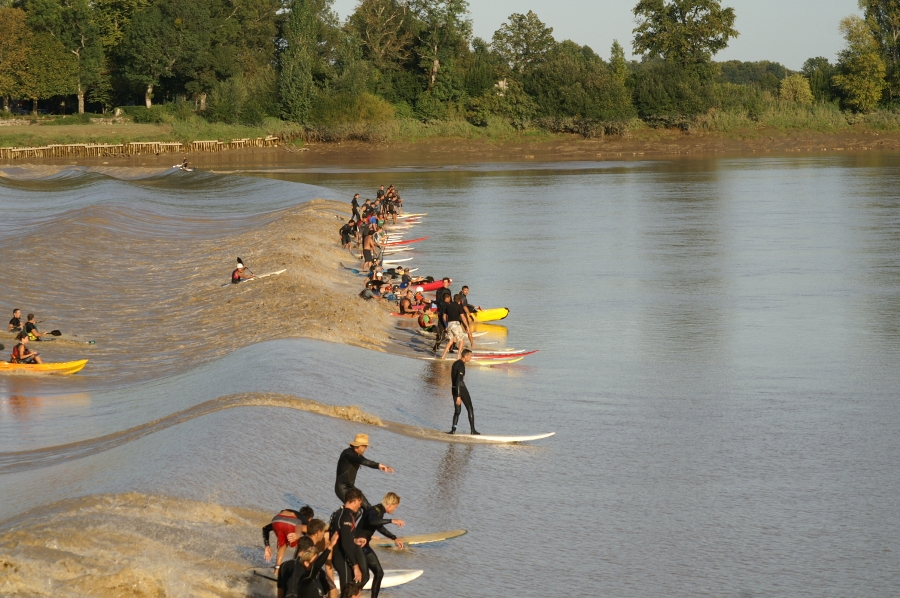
27	332
309	551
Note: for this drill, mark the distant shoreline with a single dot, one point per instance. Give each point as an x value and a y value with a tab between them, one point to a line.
643	144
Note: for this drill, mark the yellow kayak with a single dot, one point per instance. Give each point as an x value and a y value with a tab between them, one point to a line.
66	368
490	315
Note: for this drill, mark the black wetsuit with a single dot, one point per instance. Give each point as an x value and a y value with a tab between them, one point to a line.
346	552
347	468
299	582
373	520
16	324
355	205
269	528
458	378
441	324
346	233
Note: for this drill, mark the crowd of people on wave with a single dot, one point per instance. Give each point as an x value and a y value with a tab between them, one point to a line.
309	551
447	316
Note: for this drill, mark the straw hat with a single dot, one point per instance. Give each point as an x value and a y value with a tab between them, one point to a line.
360	440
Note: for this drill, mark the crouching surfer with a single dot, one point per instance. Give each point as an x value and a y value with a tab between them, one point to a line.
301	577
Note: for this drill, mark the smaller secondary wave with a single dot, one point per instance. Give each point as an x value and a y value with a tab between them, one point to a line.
13	462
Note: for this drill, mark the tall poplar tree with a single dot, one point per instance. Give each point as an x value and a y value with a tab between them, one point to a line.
295	80
13	52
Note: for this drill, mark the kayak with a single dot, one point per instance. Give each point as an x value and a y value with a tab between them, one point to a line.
405	242
490	315
66	368
430	286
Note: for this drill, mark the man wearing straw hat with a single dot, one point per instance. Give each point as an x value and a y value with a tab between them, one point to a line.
349	463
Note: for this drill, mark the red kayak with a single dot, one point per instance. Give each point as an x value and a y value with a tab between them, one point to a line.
429	286
389	243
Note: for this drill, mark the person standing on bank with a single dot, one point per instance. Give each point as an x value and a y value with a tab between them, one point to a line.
348	465
461	393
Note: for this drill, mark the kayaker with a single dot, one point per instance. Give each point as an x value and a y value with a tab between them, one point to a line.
239	275
285	522
373	520
348	558
184	163
464	293
461	393
456	322
31	329
348	466
21	353
15	323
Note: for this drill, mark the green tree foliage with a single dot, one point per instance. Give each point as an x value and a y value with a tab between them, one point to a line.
443	30
165	40
883	19
50	70
861	68
617	64
506	99
666	91
383	29
295	81
13	52
683	31
795	88
819	73
112	17
764	74
573	81
72	23
523	40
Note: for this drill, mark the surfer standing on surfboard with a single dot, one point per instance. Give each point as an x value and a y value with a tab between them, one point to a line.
373	520
461	393
348	466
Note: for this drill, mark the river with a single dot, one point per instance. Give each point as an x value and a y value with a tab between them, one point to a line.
719	342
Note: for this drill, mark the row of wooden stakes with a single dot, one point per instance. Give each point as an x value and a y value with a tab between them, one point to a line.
87	150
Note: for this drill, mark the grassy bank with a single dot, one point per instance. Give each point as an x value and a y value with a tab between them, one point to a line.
772	117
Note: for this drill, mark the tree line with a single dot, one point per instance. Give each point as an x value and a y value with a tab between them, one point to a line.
248	60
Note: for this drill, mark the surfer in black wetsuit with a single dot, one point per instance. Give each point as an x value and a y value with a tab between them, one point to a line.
348	558
301	577
373	520
348	466
460	392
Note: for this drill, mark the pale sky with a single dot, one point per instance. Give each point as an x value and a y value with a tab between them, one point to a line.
785	31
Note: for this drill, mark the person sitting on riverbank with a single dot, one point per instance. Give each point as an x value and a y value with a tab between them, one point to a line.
21	353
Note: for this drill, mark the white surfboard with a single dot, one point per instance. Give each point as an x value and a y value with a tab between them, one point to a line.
228	284
392	577
405	259
500	439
